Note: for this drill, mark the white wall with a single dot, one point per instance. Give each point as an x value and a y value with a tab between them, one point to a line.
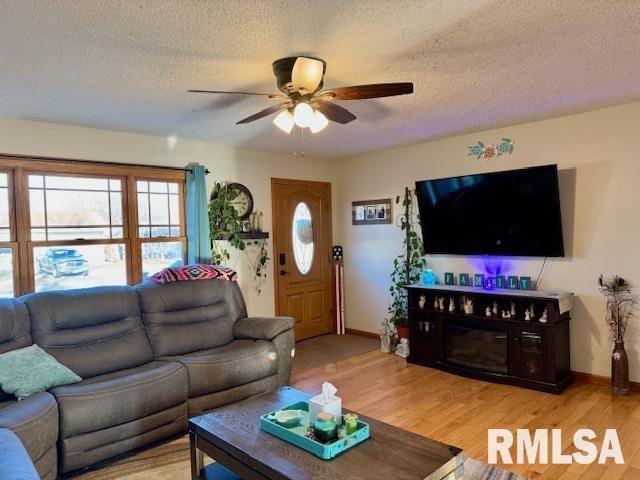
250	167
597	154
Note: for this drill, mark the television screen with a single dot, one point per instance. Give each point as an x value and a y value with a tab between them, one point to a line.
513	213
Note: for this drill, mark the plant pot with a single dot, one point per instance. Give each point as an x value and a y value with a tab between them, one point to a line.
620	370
403	332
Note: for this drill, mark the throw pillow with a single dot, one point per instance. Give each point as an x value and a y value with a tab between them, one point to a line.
31	370
194	272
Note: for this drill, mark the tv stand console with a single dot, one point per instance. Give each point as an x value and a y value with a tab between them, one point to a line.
463	330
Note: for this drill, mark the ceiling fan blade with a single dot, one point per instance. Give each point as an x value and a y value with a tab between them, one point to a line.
334	112
374	90
271	95
265	112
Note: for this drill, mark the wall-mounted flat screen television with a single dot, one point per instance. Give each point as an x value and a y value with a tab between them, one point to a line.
511	213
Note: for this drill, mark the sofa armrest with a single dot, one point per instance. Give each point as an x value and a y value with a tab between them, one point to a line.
261	328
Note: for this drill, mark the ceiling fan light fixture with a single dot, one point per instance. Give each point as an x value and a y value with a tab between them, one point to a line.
303	114
284	121
319	122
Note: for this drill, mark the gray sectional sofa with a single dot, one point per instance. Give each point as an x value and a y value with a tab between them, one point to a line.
150	357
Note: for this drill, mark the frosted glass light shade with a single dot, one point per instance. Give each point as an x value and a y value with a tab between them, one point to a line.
284	121
303	114
318	123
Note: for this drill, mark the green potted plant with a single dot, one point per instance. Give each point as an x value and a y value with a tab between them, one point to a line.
622	303
408	266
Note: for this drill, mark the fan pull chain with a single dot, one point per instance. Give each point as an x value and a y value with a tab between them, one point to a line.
295	143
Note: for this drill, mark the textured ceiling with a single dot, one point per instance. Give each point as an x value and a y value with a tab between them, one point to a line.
126	65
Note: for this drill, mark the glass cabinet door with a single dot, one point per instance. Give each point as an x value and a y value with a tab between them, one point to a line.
530	347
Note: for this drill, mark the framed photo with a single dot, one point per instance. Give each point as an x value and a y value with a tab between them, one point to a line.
371	212
478	280
512	282
525	283
501	281
464	280
448	278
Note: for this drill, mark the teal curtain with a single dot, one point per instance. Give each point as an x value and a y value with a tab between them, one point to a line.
198	241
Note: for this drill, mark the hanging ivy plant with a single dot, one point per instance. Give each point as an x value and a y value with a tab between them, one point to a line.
226	226
408	266
224	222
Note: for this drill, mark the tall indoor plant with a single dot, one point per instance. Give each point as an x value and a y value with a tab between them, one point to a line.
622	303
408	266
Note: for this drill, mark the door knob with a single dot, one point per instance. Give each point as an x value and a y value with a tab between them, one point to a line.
283	272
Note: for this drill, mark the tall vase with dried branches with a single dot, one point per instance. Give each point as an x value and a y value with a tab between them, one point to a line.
622	304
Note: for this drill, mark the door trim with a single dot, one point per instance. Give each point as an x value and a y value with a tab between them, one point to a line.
291	181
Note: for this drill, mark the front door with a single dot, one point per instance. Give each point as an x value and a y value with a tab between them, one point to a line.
302	250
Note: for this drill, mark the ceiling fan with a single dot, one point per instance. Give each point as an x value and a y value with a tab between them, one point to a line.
302	103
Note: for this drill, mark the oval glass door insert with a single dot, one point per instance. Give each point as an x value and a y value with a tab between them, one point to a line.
302	232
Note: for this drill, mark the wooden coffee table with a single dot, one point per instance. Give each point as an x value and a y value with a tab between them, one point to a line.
232	437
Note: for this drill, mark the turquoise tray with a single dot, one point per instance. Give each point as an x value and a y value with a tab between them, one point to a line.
296	435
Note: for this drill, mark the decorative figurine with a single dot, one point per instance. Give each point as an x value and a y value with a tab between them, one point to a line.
468	306
487	311
386	334
435	303
513	309
495	309
543	318
527	315
402	350
441	304
506	314
422	300
452	305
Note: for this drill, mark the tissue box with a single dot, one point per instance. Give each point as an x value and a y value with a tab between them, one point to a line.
333	406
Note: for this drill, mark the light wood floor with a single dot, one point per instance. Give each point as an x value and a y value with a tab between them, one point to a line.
444	407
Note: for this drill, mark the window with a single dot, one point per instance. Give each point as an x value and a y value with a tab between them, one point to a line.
75	208
302	238
160	220
86	224
7	246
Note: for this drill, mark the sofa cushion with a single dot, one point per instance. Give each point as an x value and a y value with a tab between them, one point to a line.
35	421
30	370
237	363
15	464
120	397
185	317
92	331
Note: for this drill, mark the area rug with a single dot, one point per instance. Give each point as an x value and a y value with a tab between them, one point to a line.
319	351
475	470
